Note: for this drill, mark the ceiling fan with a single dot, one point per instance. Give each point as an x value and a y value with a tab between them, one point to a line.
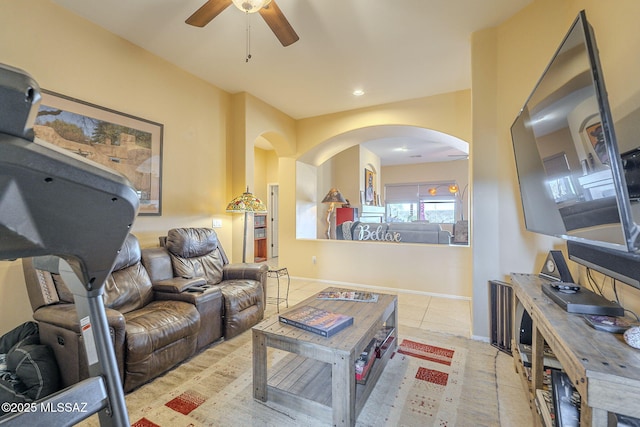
268	9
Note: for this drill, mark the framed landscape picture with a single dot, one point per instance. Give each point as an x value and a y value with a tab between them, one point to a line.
129	145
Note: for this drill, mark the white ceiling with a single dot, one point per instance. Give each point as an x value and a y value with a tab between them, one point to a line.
393	50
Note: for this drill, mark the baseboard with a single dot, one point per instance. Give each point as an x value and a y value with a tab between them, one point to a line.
384	288
481	338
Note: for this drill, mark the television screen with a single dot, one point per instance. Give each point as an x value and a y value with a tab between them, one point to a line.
573	179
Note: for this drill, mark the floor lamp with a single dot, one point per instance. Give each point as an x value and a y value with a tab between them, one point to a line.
246	203
333	196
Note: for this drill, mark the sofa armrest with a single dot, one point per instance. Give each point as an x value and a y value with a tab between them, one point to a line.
249	271
65	316
444	237
60	329
176	285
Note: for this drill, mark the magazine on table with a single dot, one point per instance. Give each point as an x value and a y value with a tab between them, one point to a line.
360	296
316	320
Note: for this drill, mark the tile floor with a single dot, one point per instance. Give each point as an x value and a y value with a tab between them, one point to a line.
444	315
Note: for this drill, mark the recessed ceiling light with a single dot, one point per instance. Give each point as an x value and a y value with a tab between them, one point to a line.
358	92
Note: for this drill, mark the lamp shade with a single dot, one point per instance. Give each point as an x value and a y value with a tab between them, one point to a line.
246	202
334	196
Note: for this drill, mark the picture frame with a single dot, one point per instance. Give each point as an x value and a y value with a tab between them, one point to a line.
596	138
369	187
124	143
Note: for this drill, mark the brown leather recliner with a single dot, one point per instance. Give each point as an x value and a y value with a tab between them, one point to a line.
150	335
197	253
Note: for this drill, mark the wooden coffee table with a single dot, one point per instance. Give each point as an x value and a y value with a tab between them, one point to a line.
318	377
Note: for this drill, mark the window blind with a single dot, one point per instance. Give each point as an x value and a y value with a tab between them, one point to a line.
408	193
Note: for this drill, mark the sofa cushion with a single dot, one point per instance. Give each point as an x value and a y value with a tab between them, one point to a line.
64	293
415	226
128	289
129	253
157	325
194	253
158	337
191	242
420	232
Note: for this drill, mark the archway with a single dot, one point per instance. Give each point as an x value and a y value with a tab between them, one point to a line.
362	148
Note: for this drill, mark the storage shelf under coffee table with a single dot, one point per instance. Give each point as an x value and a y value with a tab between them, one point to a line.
318	376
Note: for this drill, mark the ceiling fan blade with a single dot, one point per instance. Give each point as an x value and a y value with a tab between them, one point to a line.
207	12
276	20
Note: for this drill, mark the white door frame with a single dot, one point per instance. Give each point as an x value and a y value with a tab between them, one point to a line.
272	240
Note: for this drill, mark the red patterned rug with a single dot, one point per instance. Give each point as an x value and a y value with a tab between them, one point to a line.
426	352
186	402
428	392
421	385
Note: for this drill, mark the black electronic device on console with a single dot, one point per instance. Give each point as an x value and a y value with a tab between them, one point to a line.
583	302
571	296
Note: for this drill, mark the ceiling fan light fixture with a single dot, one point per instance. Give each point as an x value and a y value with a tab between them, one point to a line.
250	6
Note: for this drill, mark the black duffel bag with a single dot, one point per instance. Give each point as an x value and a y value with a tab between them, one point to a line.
29	371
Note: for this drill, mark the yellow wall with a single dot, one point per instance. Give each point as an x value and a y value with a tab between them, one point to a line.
69	55
507	61
253	119
433	269
206	129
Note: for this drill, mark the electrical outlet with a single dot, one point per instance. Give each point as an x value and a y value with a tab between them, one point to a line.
217	223
313	259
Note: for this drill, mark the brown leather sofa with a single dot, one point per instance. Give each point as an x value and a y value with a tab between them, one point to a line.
196	253
155	320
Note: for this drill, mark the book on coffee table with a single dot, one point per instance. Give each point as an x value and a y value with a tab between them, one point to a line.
316	320
360	296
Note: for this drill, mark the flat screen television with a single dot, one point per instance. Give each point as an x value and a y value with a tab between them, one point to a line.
577	180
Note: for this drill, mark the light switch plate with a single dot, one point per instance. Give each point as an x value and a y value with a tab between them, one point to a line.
217	223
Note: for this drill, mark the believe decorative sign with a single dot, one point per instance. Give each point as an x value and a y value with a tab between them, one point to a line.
378	234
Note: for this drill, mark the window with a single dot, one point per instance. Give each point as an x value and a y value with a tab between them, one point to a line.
420	202
441	212
401	212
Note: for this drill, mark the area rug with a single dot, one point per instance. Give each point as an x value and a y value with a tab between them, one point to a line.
422	385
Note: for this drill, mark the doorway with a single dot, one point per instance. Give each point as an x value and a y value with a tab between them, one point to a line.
273	205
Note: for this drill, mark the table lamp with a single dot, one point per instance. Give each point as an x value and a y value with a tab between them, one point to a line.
333	196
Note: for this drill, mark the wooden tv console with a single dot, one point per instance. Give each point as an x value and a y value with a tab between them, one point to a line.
601	366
